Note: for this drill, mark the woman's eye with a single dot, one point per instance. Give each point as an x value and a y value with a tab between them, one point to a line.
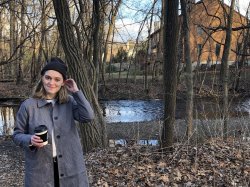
47	78
50	78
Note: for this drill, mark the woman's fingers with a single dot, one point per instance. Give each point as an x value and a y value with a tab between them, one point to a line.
36	141
71	85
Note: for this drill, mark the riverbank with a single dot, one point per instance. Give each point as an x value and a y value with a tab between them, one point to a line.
111	91
114	90
203	129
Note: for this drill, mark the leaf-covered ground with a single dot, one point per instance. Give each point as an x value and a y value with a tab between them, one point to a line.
210	164
214	163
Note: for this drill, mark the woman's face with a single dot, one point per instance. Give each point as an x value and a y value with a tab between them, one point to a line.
52	83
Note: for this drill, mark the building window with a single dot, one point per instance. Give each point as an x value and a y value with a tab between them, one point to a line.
199	48
199	30
217	49
238	49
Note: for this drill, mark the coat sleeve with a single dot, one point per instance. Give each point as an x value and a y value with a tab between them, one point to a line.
82	110
20	134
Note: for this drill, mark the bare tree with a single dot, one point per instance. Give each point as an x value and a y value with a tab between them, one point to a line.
1	44
189	72
19	72
224	69
148	49
12	67
243	52
170	30
96	59
93	135
110	35
41	48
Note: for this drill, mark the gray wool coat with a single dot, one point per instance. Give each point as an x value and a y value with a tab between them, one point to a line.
38	161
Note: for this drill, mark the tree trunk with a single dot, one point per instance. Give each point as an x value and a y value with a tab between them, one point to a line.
170	30
94	134
241	62
12	67
111	55
188	73
19	79
40	60
180	55
96	18
224	68
1	45
110	34
147	63
33	61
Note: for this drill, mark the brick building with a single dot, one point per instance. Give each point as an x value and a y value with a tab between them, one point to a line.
206	42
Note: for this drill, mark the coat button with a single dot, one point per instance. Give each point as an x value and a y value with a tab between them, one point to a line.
62	175
60	156
55	118
58	136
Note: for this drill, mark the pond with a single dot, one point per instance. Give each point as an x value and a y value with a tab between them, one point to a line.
7	119
136	111
149	110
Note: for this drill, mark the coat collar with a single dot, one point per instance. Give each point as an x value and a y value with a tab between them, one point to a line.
41	102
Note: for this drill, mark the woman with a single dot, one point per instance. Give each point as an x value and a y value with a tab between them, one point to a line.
60	162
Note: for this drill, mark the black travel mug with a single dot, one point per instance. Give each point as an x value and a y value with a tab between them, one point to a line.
42	132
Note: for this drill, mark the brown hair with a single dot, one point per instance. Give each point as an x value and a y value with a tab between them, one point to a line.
40	93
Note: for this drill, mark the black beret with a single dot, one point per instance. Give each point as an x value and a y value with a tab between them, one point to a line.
55	64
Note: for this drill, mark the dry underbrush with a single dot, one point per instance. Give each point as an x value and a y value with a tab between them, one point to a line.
215	163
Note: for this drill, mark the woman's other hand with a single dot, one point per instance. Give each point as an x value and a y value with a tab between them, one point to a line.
71	85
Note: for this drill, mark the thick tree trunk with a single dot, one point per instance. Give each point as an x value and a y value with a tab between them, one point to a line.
94	134
170	29
188	73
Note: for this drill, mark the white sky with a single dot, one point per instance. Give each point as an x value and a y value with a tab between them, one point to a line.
128	28
243	4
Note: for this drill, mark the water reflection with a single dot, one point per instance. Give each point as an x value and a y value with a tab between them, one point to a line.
244	107
132	110
123	142
7	119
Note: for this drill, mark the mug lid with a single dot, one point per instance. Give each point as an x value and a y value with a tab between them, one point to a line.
41	128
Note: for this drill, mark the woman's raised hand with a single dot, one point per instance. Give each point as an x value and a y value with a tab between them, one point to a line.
71	85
